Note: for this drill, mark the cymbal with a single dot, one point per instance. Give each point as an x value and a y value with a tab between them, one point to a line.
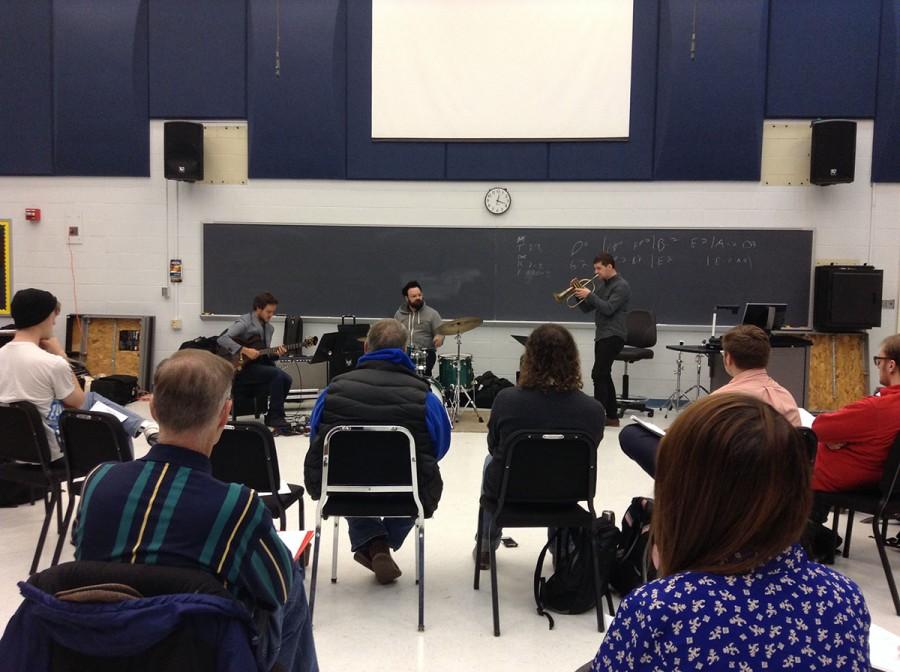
459	326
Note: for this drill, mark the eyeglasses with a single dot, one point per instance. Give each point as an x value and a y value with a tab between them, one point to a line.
877	359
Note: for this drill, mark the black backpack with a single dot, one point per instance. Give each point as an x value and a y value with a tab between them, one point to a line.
119	388
208	343
487	387
570	589
632	566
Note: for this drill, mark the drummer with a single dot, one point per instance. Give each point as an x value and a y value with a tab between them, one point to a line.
422	322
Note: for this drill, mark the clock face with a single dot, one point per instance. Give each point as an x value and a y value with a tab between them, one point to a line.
497	200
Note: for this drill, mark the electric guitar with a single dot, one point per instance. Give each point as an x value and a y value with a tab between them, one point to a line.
239	360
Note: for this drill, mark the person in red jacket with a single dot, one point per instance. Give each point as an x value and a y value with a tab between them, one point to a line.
854	441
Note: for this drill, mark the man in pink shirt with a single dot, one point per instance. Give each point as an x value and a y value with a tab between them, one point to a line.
854	441
745	352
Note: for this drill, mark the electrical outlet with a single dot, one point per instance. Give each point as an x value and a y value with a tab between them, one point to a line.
176	324
888	304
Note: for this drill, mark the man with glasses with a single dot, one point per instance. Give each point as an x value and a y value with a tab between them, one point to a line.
745	355
854	441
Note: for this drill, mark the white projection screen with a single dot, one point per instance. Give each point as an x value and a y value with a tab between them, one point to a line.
501	69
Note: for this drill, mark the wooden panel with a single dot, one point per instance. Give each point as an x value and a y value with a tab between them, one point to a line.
104	354
837	370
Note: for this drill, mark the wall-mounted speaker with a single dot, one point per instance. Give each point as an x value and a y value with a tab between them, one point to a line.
847	298
183	151
832	156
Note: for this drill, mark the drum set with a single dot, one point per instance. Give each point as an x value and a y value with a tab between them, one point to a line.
456	377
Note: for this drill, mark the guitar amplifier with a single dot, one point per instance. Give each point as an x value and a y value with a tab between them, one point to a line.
304	375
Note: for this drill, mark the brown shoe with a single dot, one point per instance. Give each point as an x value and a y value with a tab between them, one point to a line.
386	570
363	558
612	422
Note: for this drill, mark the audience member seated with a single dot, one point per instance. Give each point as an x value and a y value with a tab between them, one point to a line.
745	353
167	509
383	389
854	441
736	591
548	396
34	368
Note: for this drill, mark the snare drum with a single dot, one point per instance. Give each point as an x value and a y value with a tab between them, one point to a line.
419	357
436	388
448	370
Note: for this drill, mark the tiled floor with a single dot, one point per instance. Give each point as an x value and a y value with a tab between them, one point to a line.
360	624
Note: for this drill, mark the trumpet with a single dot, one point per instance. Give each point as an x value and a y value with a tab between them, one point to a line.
568	293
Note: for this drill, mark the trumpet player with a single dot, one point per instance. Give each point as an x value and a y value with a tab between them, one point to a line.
609	300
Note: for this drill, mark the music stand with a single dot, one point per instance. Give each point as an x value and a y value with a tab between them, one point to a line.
521	339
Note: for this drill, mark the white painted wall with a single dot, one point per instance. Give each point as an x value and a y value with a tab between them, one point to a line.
133	226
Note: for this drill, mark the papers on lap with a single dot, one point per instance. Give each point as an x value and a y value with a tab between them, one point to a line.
103	408
659	431
296	541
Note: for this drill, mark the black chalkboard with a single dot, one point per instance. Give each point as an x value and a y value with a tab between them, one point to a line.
501	274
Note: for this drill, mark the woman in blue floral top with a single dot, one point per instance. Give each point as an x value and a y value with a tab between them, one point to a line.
736	592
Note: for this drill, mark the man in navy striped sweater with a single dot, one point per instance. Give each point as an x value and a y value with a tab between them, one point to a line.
167	509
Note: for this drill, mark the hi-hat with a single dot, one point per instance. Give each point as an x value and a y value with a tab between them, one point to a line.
459	326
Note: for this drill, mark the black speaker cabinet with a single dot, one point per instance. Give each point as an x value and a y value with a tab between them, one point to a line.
183	151
832	156
847	298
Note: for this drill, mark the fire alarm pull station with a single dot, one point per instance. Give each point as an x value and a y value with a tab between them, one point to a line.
33	214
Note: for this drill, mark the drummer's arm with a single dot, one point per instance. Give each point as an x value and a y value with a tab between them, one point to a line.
435	323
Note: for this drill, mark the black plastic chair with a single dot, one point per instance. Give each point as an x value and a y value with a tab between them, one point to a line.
24	439
547	473
246	454
88	438
641	325
367	471
882	502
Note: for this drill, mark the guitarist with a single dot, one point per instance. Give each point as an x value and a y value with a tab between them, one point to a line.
259	374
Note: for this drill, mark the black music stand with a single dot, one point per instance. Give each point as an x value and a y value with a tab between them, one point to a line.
521	339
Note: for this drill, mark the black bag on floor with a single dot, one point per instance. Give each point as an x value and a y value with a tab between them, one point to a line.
632	566
570	589
487	387
208	343
120	389
12	494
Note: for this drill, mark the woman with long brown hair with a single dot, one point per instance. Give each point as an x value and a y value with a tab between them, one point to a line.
548	396
737	591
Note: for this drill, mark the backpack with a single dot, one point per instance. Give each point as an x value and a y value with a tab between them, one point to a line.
632	568
487	387
208	343
570	589
120	389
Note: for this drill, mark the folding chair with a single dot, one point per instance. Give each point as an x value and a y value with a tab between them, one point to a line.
546	474
24	439
88	438
246	454
882	501
369	470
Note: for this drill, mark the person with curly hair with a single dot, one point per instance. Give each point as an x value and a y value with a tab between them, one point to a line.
548	397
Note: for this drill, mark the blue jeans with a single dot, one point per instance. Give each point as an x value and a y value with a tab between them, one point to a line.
289	638
132	422
364	530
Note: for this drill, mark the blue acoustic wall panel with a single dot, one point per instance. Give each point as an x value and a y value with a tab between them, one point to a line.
497	160
378	160
296	104
823	58
886	149
709	109
26	117
198	53
632	159
100	88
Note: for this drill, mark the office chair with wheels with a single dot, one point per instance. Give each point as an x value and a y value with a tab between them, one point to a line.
641	325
